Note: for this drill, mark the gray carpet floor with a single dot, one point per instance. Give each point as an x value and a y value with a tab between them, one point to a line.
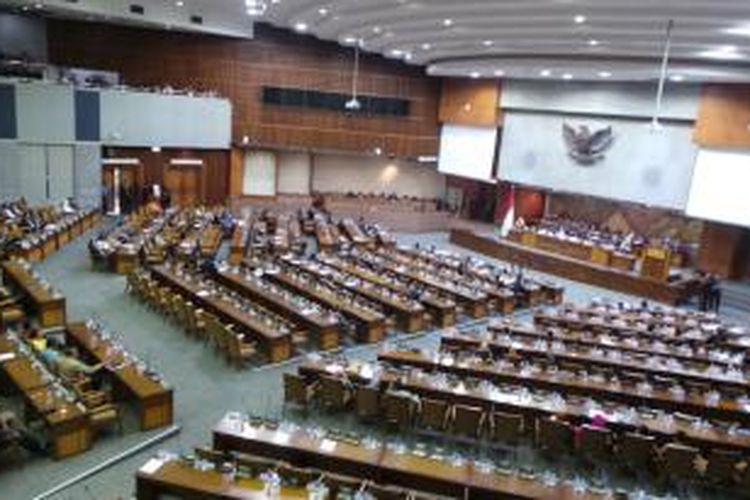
205	387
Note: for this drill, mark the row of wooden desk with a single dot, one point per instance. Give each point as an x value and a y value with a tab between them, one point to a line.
47	305
39	246
726	409
670	292
531	405
385	465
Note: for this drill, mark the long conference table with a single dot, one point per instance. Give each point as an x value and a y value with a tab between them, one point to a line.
663	399
154	399
494	398
673	293
325	329
384	465
47	305
277	345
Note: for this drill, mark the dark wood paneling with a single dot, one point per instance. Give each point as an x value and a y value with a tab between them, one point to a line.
238	69
214	182
724	250
470	102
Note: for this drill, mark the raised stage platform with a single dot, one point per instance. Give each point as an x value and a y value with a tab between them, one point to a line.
673	292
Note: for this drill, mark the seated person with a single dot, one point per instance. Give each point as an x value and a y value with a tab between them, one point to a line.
67	364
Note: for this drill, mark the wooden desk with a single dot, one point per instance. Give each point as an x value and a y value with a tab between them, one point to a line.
567	267
385	466
325	329
154	400
662	399
443	311
49	308
277	345
510	400
180	480
370	325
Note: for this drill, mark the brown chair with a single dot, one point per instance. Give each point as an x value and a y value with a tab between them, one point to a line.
210	455
722	468
239	351
637	451
105	416
554	436
434	414
468	420
596	444
367	402
398	410
334	394
679	462
506	428
297	391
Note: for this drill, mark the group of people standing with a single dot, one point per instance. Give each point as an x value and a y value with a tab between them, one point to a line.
710	297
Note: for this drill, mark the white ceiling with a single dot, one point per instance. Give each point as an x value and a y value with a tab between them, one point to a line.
619	39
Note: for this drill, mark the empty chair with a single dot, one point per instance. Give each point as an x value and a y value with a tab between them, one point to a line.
334	393
239	351
105	416
722	467
506	428
297	391
210	455
398	409
468	420
367	402
554	436
679	462
637	451
434	414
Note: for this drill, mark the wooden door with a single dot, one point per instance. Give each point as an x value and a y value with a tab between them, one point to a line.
185	185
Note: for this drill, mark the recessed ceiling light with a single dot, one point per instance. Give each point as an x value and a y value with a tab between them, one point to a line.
447	22
593	42
579	19
677	78
545	72
397	53
350	40
426	46
488	43
723	52
499	72
475	74
323	11
567	76
604	74
179	3
743	30
301	27
377	30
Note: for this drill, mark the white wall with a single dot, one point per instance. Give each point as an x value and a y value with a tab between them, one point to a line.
334	173
260	174
293	173
9	170
45	113
641	166
142	119
87	179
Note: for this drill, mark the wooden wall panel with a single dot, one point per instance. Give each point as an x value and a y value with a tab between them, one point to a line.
470	102
724	250
724	116
214	183
238	69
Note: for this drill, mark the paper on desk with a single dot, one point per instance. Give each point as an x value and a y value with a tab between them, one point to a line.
327	446
7	356
152	466
281	437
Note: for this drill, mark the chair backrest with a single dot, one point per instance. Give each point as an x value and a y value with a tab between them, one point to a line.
295	389
507	427
398	410
637	450
434	414
333	393
596	443
679	460
722	465
468	420
367	402
554	435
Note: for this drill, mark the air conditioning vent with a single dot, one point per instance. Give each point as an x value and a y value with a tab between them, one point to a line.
137	9
196	19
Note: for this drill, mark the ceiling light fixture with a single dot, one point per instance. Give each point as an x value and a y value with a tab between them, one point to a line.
488	43
605	74
579	19
677	78
499	72
254	8
724	52
545	73
426	46
301	27
475	74
593	43
567	76
448	22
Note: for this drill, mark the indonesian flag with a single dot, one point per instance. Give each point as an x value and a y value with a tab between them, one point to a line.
505	209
